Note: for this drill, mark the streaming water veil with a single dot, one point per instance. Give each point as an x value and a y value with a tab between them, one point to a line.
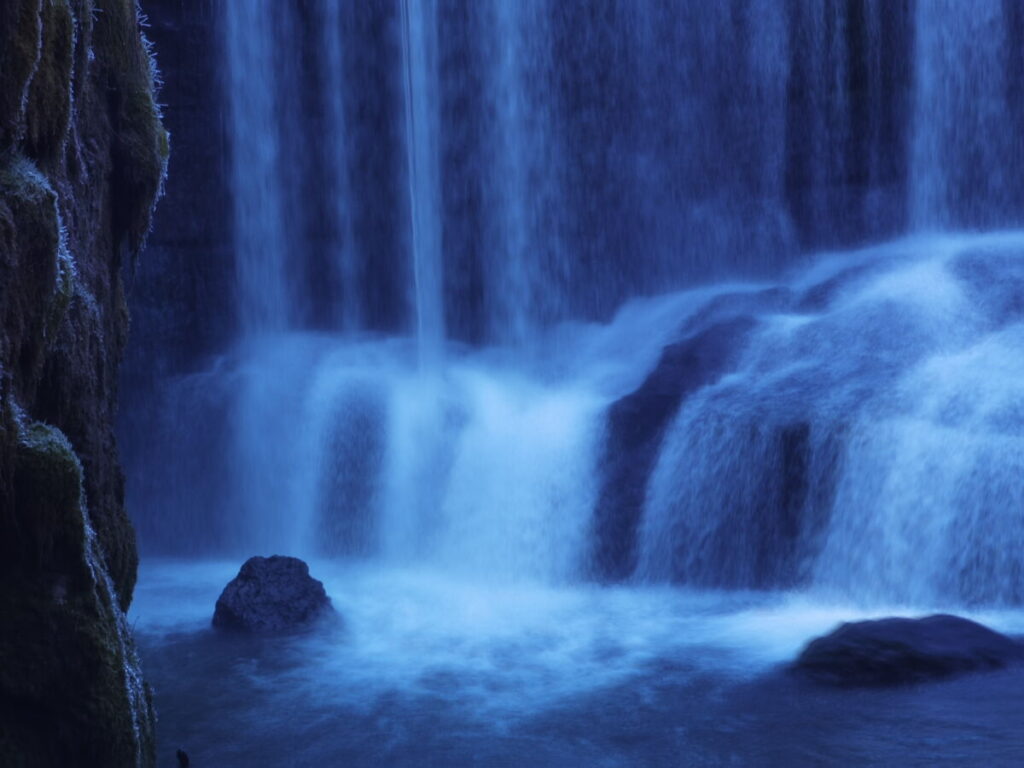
545	214
259	206
420	54
353	449
865	443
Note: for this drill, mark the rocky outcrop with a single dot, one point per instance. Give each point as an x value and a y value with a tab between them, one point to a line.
271	595
636	427
82	158
896	651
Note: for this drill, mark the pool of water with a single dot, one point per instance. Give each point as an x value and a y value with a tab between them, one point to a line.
427	670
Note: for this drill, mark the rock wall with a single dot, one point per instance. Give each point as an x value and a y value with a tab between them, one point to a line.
82	160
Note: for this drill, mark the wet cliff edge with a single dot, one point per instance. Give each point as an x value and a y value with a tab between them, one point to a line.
82	159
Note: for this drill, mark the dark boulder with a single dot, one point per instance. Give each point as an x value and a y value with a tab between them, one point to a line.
896	651
271	594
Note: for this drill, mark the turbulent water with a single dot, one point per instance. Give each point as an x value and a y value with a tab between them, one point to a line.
860	456
434	670
866	440
598	355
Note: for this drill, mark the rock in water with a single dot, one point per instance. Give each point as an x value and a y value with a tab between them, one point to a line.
271	594
895	651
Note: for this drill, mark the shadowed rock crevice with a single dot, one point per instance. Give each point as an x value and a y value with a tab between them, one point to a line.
635	429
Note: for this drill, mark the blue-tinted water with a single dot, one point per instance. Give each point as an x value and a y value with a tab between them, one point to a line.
465	235
439	671
450	513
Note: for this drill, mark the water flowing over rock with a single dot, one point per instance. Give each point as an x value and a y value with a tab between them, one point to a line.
476	329
636	426
270	595
527	295
898	651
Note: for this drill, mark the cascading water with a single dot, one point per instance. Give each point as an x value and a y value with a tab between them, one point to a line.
419	52
598	352
855	446
547	161
341	243
553	158
964	166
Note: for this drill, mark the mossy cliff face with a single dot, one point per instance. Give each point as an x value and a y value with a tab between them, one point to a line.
82	158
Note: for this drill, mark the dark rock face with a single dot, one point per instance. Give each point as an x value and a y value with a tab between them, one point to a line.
82	158
897	651
271	594
636	427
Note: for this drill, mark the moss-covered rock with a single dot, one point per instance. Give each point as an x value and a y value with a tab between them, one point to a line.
141	146
47	509
71	634
29	245
48	105
82	157
20	43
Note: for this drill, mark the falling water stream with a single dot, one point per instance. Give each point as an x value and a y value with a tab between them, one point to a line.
579	190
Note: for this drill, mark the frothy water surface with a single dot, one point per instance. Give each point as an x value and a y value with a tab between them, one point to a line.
428	669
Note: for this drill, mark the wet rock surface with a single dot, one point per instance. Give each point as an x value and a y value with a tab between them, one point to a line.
82	160
898	651
636	427
271	595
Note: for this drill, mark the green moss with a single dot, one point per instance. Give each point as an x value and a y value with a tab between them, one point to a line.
69	632
141	144
48	520
19	177
42	277
65	642
37	59
63	292
30	241
20	37
33	232
69	687
50	93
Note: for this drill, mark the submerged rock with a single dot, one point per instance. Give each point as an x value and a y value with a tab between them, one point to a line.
895	651
271	594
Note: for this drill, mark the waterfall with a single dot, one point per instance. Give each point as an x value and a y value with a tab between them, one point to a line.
527	271
262	239
514	278
865	443
481	171
966	159
344	257
419	50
